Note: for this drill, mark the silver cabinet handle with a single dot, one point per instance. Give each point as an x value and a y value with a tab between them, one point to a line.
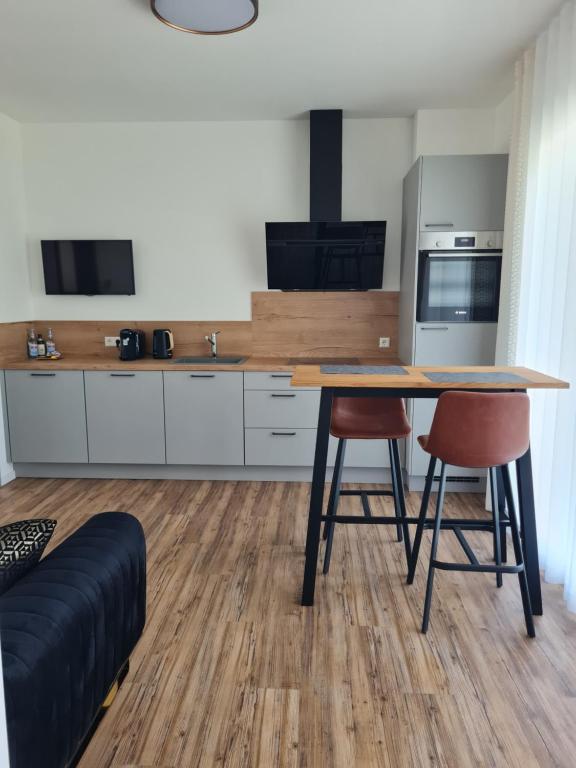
434	328
284	434
277	394
42	374
280	375
443	224
202	375
123	375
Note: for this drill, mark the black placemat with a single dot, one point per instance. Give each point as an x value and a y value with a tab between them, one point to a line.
494	377
380	370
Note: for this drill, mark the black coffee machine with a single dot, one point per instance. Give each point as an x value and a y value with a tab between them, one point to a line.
162	343
132	344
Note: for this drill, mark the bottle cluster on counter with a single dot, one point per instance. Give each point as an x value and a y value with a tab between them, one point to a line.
40	348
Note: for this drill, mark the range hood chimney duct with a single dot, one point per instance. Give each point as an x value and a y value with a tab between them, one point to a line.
326	165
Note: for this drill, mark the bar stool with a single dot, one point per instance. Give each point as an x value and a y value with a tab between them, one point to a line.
472	429
368	418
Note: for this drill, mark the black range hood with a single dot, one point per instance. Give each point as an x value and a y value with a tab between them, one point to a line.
326	165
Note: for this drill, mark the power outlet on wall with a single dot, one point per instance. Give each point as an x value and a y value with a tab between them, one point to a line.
110	341
384	342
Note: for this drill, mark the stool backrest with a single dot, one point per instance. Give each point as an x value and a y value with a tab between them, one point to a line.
476	429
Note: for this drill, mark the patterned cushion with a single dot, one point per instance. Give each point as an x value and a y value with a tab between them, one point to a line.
21	546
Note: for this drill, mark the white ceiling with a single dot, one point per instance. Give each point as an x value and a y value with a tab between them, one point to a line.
111	60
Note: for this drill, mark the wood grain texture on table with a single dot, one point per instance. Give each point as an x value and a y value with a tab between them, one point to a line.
312	376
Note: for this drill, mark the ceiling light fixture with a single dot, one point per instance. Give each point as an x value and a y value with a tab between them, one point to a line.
206	17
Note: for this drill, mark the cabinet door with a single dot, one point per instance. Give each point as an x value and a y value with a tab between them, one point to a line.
204	418
125	416
47	416
455	343
463	192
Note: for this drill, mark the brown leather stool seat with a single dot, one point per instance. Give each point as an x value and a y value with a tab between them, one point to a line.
474	429
368	418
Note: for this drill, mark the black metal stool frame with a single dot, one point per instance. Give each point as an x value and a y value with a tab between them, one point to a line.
316	517
474	565
397	493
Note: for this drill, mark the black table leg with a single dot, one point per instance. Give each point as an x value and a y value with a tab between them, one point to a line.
317	497
528	526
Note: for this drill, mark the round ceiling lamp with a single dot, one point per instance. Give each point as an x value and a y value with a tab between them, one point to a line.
206	17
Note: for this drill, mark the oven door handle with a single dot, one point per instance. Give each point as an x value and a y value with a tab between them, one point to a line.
461	254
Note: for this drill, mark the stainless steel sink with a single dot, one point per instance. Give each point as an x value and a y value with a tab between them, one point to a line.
209	360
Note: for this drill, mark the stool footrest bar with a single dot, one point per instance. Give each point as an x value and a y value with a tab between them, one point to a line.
366	493
472	568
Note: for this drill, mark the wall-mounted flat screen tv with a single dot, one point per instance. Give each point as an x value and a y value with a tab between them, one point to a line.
325	256
88	267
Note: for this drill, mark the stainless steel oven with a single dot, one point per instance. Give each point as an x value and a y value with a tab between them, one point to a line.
459	277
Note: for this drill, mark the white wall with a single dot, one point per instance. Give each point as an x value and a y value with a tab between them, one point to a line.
14	287
503	117
194	198
15	301
463	131
376	155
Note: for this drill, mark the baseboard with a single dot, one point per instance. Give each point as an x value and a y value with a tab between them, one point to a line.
185	472
461	485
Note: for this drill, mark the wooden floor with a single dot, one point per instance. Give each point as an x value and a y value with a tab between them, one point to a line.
231	671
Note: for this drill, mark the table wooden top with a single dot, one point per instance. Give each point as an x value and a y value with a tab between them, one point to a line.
415	378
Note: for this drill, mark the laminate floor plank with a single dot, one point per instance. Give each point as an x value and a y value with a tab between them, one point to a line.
232	672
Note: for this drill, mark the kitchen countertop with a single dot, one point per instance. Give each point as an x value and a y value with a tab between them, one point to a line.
77	363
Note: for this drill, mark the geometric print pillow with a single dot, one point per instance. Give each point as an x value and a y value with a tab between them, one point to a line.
21	546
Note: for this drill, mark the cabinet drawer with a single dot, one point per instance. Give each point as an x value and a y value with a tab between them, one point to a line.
47	416
280	447
125	416
270	380
282	409
296	447
455	343
204	418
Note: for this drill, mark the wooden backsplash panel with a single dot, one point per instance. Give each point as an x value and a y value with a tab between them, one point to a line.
283	325
324	324
86	338
13	341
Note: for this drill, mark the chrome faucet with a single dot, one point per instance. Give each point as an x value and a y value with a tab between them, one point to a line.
213	341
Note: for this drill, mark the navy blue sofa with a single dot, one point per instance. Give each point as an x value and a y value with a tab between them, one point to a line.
67	630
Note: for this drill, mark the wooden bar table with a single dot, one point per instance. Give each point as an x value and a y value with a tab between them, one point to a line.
412	382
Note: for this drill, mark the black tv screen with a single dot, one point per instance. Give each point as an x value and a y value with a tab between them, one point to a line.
325	256
88	267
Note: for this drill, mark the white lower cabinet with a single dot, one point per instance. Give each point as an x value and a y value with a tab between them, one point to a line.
125	417
47	416
195	418
204	418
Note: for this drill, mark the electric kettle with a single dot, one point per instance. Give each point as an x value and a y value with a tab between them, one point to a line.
162	343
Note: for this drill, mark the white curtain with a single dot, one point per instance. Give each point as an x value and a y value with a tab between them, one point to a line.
538	304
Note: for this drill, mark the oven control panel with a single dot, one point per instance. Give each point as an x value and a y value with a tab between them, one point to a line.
461	241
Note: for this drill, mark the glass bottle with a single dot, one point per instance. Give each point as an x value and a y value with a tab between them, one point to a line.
50	343
32	343
41	346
